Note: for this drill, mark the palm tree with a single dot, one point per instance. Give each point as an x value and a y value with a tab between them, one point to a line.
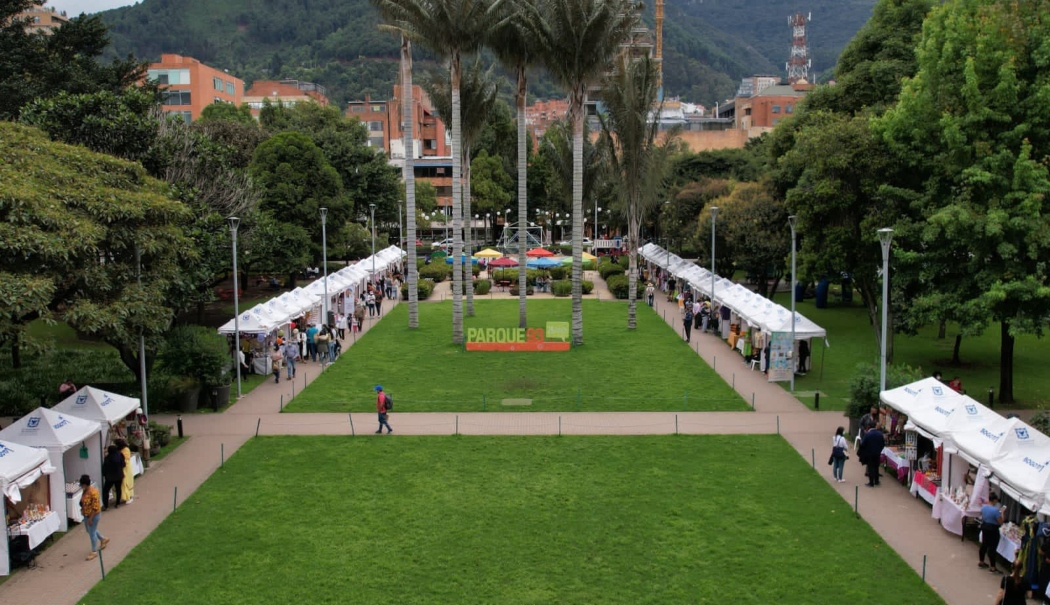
633	159
389	14
580	38
478	92
449	28
517	47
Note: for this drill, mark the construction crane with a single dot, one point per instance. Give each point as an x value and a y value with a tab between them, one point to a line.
660	47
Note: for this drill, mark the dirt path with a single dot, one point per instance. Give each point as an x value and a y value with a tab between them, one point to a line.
62	576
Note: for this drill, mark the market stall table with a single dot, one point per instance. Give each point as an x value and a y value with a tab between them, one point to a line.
951	515
38	530
1008	548
895	460
73	504
924	487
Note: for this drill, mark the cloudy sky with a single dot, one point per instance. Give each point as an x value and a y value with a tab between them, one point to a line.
75	7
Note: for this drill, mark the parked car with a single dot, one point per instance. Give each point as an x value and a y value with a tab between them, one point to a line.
587	243
445	243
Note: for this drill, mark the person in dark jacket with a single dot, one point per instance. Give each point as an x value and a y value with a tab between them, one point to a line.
869	453
112	475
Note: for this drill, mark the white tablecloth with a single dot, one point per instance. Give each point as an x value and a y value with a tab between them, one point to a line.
1007	548
38	531
949	513
917	490
73	506
136	464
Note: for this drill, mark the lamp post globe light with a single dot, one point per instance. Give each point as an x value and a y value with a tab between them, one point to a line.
714	217
234	223
885	238
793	221
324	254
372	211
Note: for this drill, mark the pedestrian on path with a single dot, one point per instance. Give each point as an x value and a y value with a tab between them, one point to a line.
869	452
650	293
839	445
991	519
112	475
127	488
311	341
687	321
370	300
275	363
291	355
91	508
1012	588
383	409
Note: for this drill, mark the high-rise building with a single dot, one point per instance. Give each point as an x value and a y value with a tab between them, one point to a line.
43	19
189	85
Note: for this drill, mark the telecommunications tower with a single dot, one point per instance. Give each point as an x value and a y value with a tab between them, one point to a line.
799	63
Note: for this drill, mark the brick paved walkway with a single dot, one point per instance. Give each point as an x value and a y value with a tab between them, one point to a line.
62	575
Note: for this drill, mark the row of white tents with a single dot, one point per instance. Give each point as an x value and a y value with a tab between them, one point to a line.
1011	453
50	441
278	311
754	308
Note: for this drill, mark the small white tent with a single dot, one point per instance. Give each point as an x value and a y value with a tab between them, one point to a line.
103	407
1023	468
63	437
20	467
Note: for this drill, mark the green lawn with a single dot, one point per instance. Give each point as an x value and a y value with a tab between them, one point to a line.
669	519
852	341
650	368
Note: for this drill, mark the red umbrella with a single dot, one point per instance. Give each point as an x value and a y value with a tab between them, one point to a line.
503	262
539	253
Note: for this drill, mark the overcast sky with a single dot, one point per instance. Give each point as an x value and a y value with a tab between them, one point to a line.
75	7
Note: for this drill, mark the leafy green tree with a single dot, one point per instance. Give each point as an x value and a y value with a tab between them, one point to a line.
72	220
357	241
635	160
491	184
756	231
272	245
679	219
296	181
975	122
227	112
580	39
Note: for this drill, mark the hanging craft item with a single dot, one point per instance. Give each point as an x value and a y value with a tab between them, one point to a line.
83	451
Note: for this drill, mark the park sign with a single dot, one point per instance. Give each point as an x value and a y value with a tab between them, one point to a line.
555	337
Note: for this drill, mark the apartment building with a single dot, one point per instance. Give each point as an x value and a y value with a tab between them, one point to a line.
286	92
43	19
540	115
189	85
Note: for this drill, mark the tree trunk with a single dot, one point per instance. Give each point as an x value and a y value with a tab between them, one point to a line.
871	302
955	350
576	110
457	204
409	176
468	239
16	353
1006	364
200	312
633	227
522	206
941	329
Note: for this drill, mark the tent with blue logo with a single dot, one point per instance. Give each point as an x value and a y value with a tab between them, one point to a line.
21	468
1023	468
107	409
74	448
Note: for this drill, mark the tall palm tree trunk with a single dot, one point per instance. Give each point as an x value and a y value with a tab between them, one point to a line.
632	275
522	202
576	104
467	236
457	204
408	173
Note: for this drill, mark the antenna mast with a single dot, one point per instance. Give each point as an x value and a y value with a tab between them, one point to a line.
799	63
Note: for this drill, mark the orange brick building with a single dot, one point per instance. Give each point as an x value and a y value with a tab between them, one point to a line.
285	92
189	85
540	115
762	111
43	19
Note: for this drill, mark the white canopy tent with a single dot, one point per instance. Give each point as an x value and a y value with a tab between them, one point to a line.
977	433
63	437
1023	466
20	467
909	398
107	409
250	323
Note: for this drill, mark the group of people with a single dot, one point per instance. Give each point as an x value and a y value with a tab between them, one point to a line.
698	313
118	475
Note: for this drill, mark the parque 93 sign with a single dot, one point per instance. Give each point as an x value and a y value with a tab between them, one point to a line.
519	339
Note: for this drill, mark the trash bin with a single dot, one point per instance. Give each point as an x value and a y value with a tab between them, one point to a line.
822	294
220	396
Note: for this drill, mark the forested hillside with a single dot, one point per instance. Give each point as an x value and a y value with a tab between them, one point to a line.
709	45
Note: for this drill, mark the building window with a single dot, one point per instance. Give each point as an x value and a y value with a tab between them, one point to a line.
166	77
430	144
176	97
357	109
776	109
376	142
185	115
231	89
789	108
377	109
375	127
216	83
443	191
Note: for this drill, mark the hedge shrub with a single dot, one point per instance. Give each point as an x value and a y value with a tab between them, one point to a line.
608	269
620	287
559	272
438	272
424	288
482	286
514	290
587	285
561	287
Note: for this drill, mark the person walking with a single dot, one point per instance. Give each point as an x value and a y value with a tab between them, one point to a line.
869	453
340	324
311	341
991	519
839	445
112	475
687	321
275	363
291	355
359	314
91	508
370	300
650	293
1012	588
696	313
705	315
332	340
321	341
383	410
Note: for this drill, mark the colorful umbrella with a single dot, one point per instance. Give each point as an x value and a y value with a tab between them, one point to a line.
463	259
489	253
505	261
542	263
539	253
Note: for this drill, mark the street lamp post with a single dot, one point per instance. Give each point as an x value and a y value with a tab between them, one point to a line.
234	223
324	253
885	238
400	230
714	217
142	340
488	219
372	210
595	226
793	220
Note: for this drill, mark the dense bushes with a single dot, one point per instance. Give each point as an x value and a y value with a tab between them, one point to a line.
436	272
609	269
482	286
560	272
587	286
514	290
620	287
424	289
561	287
21	390
864	385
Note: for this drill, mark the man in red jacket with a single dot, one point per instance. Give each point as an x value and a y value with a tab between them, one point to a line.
382	410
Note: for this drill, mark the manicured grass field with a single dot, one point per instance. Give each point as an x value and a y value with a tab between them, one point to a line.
650	368
852	341
672	519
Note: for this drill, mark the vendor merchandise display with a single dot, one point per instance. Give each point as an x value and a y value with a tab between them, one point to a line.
31	515
959	496
1012	531
72	488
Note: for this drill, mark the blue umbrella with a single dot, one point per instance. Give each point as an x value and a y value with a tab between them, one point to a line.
463	259
542	263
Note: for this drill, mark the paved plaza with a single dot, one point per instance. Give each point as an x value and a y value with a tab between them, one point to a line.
62	576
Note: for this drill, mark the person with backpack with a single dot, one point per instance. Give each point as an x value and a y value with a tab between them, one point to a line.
383	406
687	320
